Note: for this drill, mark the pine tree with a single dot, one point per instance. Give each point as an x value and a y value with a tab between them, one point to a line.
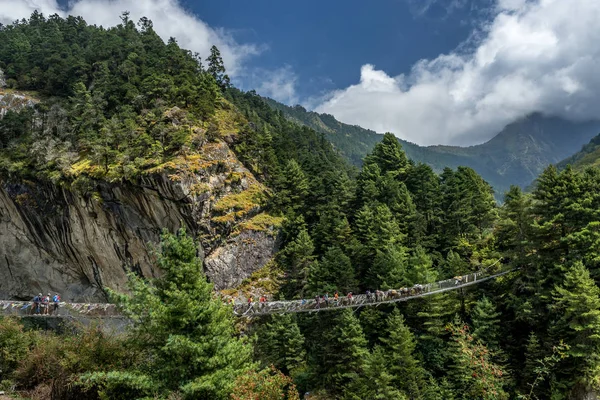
486	323
513	229
533	355
468	204
292	188
439	391
397	197
389	156
420	268
435	313
454	265
389	269
472	372
339	351
424	186
577	308
280	343
216	68
297	257
399	348
186	332
373	322
369	184
333	273
375	229
376	382
334	230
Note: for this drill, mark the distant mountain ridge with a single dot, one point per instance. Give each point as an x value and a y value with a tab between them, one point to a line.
516	155
588	156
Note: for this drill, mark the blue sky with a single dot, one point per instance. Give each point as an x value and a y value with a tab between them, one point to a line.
429	71
326	42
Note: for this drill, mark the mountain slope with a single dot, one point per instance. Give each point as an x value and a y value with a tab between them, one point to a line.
588	156
127	136
516	155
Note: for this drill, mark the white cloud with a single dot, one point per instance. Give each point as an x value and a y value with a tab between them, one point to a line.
534	56
278	84
169	17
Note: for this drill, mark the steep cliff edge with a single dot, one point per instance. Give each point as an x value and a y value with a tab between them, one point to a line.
79	240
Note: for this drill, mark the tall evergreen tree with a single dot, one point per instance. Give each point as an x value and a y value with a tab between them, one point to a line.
424	186
420	268
297	257
486	323
389	269
376	382
399	348
292	188
333	273
389	156
513	230
339	351
280	343
187	333
472	372
216	68
577	308
434	314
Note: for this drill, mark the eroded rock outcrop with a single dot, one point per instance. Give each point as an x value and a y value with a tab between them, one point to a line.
61	240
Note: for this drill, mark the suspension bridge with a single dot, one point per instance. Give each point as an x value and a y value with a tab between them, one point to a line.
250	308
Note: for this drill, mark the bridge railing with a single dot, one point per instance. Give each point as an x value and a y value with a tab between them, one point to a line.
241	308
25	308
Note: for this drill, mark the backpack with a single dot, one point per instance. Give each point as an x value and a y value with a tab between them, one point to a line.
56	298
36	299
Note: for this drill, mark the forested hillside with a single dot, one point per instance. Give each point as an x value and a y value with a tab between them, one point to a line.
588	156
119	105
515	156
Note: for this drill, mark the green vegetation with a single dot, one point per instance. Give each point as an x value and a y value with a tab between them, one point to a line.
116	102
125	104
589	156
514	157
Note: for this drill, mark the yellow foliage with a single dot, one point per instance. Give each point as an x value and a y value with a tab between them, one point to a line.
260	222
249	199
86	167
228	120
265	280
237	205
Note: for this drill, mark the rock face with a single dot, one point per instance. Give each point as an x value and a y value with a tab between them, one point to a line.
2	79
77	244
13	100
230	264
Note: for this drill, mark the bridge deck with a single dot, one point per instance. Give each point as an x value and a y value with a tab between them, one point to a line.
298	306
106	310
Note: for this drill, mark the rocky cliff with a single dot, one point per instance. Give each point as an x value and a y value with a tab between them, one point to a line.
77	241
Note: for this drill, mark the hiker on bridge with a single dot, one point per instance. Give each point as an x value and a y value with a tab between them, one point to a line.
35	307
55	303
